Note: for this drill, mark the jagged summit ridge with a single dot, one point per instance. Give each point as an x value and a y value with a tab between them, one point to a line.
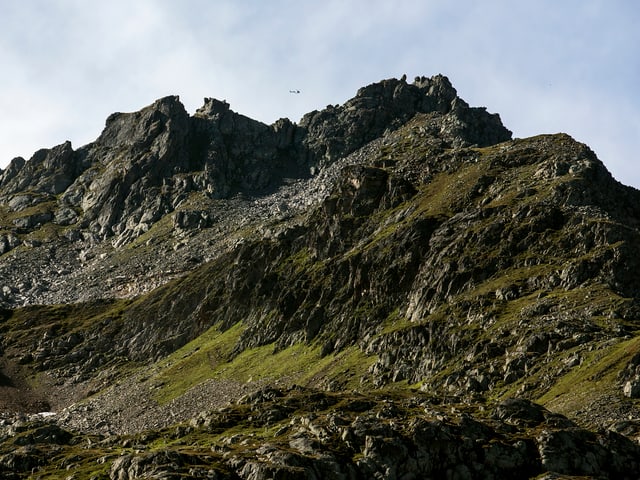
145	162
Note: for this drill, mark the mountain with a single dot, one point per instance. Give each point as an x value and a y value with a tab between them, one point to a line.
390	288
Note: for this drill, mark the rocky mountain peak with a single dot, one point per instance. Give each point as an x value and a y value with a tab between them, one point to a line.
435	93
212	107
12	169
336	131
49	171
165	117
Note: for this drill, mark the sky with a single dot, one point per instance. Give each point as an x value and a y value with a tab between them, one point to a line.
545	66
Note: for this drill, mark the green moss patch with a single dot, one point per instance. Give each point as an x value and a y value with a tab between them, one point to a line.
597	377
208	357
195	362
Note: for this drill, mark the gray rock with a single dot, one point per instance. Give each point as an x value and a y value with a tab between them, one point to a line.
12	170
33	221
8	242
192	219
65	216
632	388
572	452
519	411
22	460
21	202
49	171
44	434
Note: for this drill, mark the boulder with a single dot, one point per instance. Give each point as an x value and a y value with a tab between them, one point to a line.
632	388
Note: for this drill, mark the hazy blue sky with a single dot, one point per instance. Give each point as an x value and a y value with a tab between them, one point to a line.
546	66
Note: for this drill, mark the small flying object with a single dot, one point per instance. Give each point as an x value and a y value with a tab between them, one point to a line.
294	91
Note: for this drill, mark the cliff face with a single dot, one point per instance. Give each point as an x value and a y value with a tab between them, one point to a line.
401	241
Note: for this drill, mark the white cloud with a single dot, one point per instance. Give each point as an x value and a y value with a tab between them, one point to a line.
544	66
